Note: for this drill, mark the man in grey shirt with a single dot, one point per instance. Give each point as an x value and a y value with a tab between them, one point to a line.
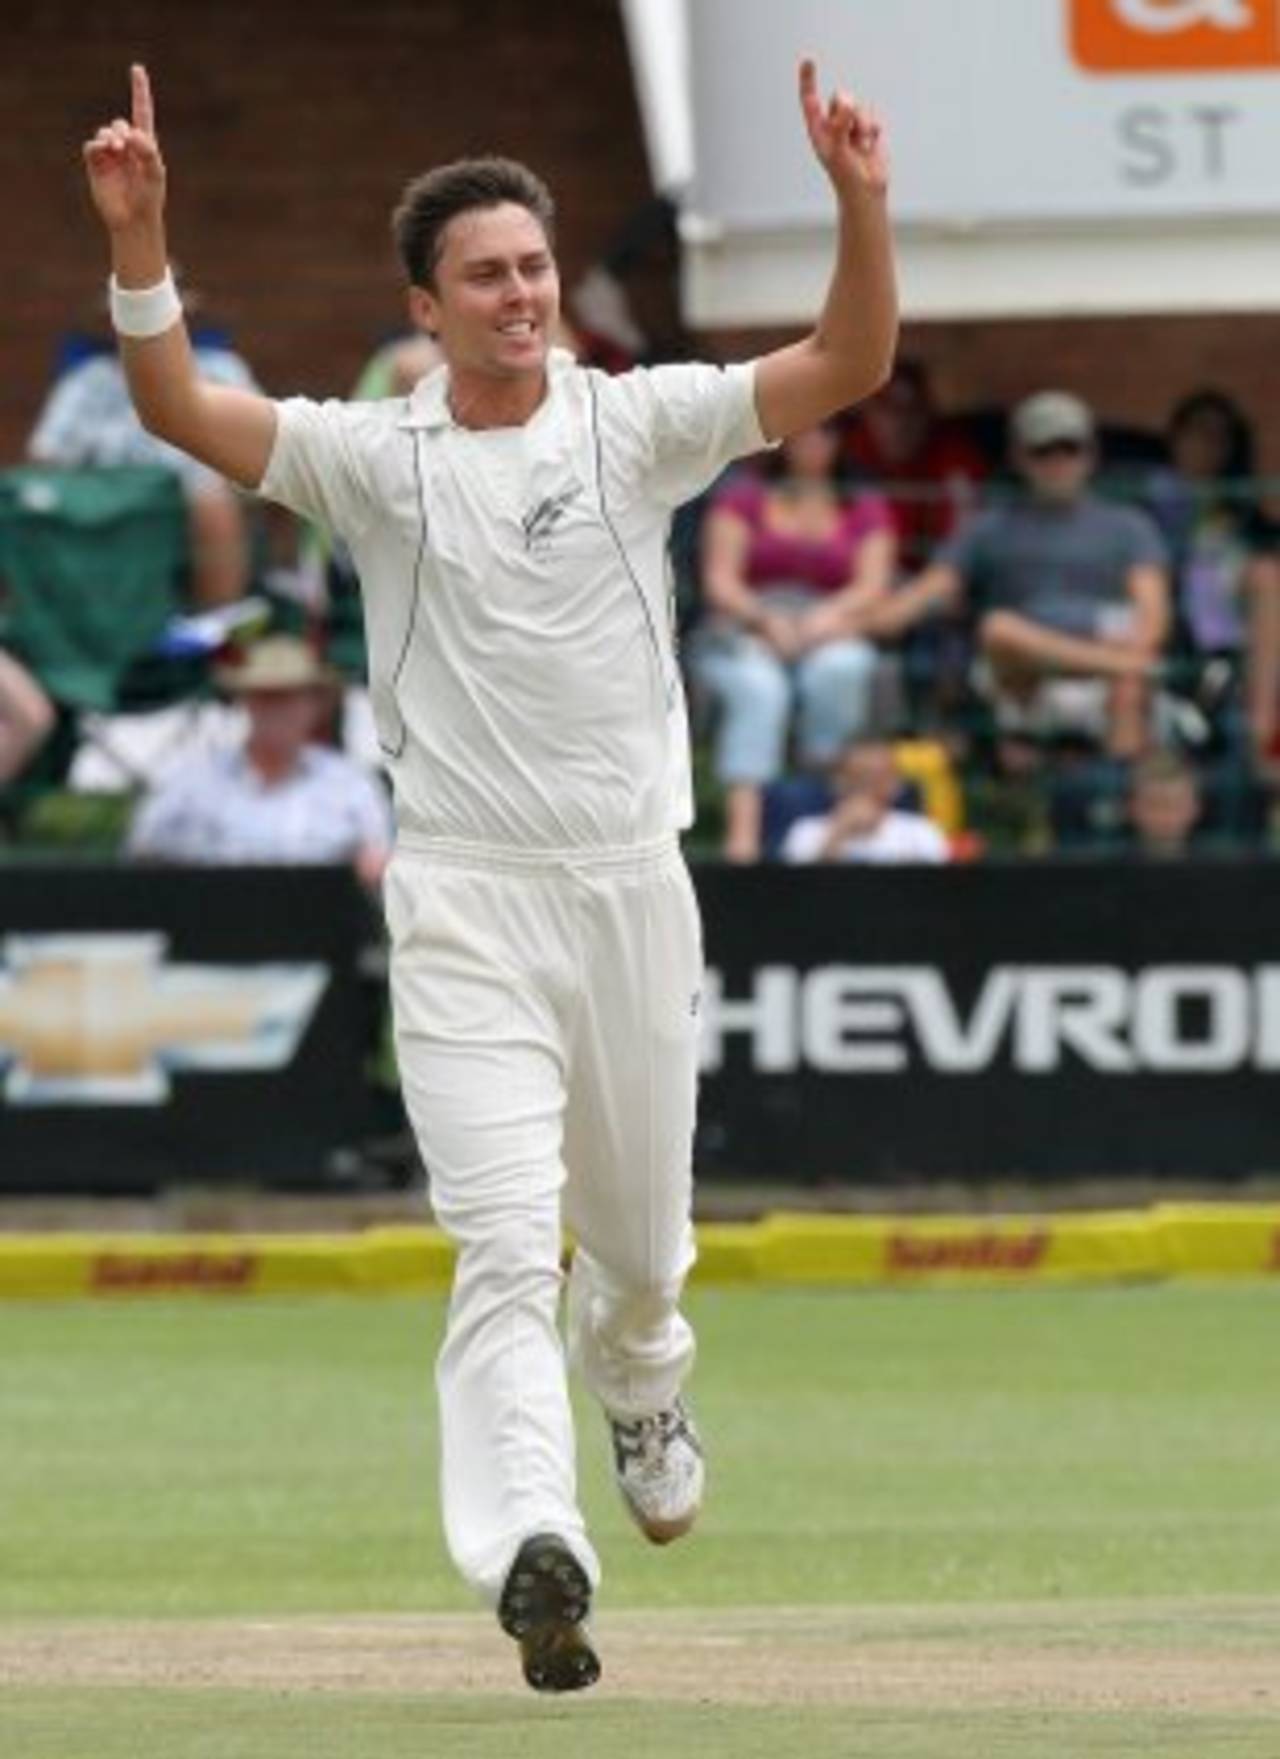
1062	584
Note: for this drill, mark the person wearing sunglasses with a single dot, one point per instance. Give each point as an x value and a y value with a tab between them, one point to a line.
1061	587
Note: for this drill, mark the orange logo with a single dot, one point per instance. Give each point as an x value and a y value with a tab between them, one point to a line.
1175	36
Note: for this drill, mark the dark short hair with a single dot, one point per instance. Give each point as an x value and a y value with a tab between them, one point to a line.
1240	437
429	203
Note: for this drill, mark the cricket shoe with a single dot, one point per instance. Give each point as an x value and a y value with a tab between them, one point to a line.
544	1606
659	1467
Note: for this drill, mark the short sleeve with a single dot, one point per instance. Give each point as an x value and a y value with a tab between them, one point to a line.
316	468
930	843
372	811
742	494
1144	545
699	418
867	515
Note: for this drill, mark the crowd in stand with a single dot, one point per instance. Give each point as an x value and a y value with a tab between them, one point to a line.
906	638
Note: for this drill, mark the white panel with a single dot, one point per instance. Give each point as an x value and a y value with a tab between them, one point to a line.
989	114
1023	181
779	277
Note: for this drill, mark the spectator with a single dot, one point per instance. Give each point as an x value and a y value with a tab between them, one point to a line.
89	422
1226	570
1165	806
279	797
26	717
930	468
792	567
1062	586
864	824
395	368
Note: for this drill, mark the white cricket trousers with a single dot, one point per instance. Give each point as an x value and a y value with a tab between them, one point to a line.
546	1027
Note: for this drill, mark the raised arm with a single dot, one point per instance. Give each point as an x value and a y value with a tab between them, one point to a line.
232	431
850	351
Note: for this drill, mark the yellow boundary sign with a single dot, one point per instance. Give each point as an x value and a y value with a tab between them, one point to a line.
1169	1240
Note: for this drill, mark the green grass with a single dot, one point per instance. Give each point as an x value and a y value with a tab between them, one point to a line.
874	1452
240	1725
194	1458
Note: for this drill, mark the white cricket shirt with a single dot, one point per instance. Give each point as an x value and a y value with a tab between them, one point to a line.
517	594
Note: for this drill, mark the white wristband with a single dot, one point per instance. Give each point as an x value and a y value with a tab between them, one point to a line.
141	312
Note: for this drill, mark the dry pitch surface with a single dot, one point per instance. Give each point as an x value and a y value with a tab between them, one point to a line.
1217	1658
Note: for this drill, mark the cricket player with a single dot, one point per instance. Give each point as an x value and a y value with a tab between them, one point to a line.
508	520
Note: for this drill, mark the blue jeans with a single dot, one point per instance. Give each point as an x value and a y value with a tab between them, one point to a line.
754	693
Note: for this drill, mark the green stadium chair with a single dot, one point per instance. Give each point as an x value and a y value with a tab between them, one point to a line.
91	568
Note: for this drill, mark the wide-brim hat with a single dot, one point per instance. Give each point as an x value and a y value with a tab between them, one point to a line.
277	662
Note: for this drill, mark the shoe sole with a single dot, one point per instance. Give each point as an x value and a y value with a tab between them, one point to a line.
544	1606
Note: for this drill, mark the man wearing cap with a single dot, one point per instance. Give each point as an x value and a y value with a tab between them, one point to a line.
1063	585
279	797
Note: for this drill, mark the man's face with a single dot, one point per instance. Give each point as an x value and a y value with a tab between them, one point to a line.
1057	471
496	298
282	721
898	418
1165	813
870	770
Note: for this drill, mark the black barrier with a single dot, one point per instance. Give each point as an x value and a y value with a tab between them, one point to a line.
210	1025
176	1025
1035	1020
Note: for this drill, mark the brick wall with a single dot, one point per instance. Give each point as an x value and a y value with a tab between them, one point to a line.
288	129
1132	370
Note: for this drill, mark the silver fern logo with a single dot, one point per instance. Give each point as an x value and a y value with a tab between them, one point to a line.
540	522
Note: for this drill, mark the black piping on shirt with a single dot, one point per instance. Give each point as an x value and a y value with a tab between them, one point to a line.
399	666
667	684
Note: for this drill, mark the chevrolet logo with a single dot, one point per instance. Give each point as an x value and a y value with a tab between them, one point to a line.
99	1019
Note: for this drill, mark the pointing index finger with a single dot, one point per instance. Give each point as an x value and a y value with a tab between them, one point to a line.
810	102
144	113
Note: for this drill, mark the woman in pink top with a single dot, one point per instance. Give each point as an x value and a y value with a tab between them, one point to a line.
792	564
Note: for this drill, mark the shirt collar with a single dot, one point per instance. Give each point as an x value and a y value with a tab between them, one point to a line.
427	405
239	762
